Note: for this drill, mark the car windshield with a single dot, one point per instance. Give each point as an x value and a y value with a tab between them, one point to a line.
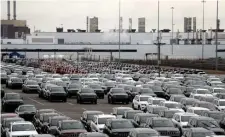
91	116
32	83
27	108
185	118
222	103
146	90
72	125
117	90
157	88
189	102
17	80
144	98
169	114
57	89
54	122
12	96
74	86
96	86
8	122
205	91
110	84
202	134
175	91
23	127
148	134
208	123
217	116
172	105
103	120
130	115
87	91
121	111
219	90
39	76
122	124
163	123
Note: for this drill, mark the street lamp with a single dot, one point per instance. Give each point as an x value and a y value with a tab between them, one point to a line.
172	29
203	27
217	27
119	30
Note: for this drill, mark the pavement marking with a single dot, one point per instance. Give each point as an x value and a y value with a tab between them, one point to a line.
70	103
36	101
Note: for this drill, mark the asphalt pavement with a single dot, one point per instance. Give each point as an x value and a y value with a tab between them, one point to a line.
69	108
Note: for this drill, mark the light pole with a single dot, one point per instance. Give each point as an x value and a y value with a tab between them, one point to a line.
203	28
217	27
172	29
119	30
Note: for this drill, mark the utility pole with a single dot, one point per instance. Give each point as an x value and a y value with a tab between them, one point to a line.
217	27
119	30
203	28
172	29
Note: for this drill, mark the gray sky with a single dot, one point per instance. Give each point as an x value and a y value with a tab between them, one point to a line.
48	14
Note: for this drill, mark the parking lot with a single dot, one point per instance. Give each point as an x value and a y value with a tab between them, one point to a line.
69	108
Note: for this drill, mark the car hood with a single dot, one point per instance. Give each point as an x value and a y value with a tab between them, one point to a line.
221	107
166	129
119	94
20	133
73	131
119	116
88	94
73	88
101	126
58	93
143	102
52	127
184	123
32	85
123	130
217	129
14	100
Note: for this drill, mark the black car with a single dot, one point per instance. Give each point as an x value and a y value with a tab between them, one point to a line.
207	123
43	121
26	111
56	93
135	91
141	118
98	90
36	118
87	117
217	115
40	91
164	126
173	91
14	82
87	95
73	89
118	127
6	124
2	92
4	78
11	101
30	86
158	91
53	123
118	95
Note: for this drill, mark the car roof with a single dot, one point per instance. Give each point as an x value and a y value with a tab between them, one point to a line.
186	114
90	134
104	116
92	112
202	118
145	114
27	105
199	129
198	108
122	108
21	122
42	135
159	118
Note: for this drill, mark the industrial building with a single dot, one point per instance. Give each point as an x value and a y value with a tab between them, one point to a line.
141	24
93	24
13	28
194	24
188	24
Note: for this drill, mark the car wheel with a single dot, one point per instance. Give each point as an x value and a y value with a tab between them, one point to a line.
139	108
96	101
65	100
39	95
133	106
112	101
80	101
109	101
77	100
102	96
50	99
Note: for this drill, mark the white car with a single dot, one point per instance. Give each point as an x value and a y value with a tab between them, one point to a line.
181	119
21	128
172	105
220	104
200	92
196	110
140	102
155	100
216	90
99	121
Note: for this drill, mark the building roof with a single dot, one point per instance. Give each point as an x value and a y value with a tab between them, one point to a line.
16	23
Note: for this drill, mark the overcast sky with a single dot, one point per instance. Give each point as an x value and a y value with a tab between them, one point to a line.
46	15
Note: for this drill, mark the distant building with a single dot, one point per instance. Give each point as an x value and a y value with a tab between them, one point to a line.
130	24
189	27
121	23
93	24
141	24
14	29
194	24
187	24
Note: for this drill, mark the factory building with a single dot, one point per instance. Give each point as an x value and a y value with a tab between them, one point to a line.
141	24
12	28
194	24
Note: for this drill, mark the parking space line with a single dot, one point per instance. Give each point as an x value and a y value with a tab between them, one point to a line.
70	103
36	101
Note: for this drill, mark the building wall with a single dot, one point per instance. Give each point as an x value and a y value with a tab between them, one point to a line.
12	41
41	40
93	24
129	38
141	24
